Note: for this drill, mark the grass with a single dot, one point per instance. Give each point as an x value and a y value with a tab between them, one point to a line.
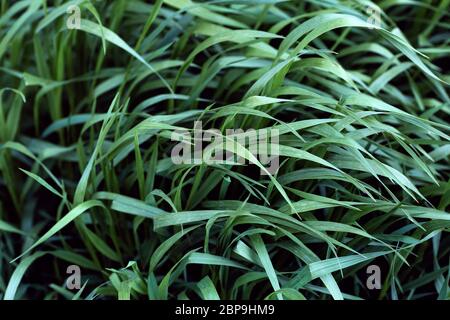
357	89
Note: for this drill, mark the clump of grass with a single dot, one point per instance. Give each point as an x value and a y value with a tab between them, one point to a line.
358	90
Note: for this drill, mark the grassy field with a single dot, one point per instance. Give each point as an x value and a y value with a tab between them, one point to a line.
92	94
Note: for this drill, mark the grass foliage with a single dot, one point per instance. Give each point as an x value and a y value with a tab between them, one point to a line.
86	179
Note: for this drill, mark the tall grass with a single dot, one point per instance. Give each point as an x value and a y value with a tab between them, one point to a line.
357	89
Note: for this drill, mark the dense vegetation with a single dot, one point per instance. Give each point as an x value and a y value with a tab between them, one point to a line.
357	89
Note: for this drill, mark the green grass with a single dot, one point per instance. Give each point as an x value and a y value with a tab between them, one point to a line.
86	178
